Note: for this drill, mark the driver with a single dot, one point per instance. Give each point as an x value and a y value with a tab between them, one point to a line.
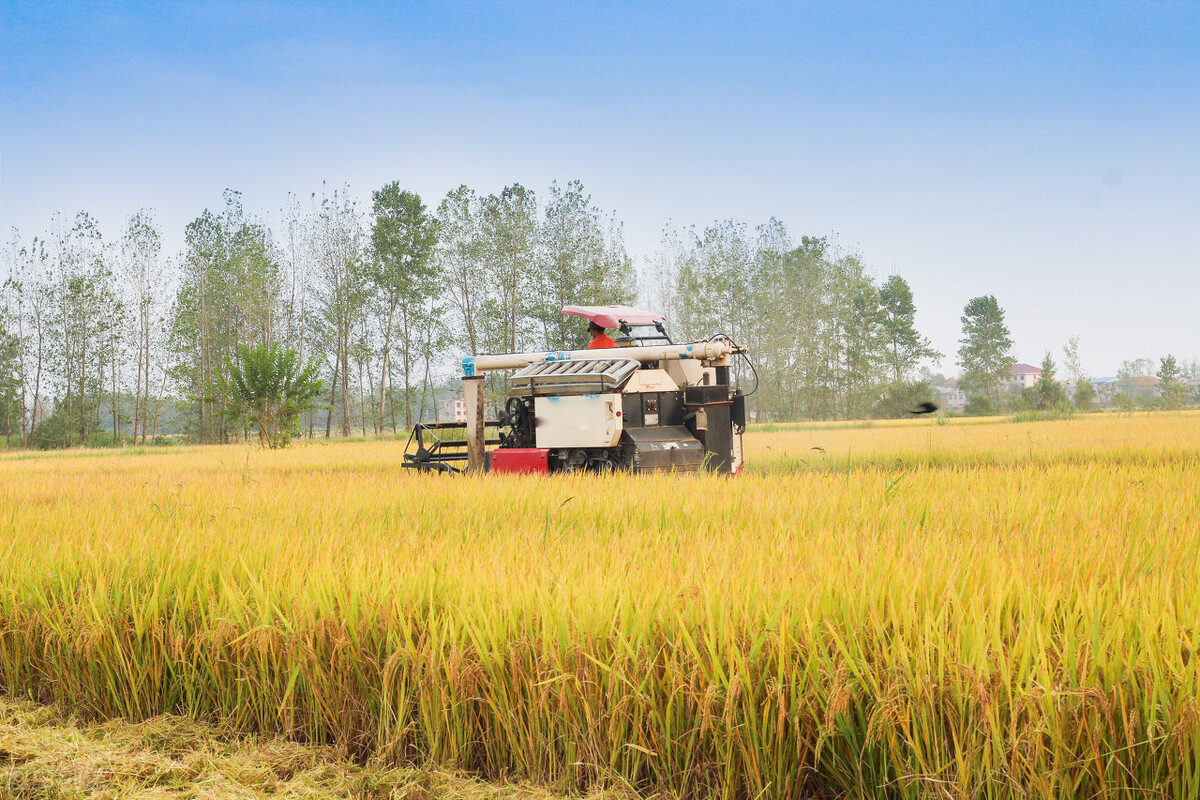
600	339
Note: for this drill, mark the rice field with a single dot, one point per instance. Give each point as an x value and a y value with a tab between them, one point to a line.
973	609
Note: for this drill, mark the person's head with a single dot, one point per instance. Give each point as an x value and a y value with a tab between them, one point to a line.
595	330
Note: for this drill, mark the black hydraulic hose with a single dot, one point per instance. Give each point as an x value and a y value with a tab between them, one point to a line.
749	363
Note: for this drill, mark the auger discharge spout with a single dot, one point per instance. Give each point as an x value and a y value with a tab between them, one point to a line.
713	353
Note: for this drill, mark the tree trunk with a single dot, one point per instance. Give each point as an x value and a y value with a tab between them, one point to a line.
37	386
407	368
387	350
346	381
392	406
362	400
333	387
115	415
162	389
83	387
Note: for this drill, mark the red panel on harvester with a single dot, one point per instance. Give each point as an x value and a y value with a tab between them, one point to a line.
521	459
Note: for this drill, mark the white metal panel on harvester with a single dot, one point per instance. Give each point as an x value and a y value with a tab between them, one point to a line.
651	380
586	420
685	373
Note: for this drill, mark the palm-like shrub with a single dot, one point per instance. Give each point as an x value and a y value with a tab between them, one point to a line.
270	387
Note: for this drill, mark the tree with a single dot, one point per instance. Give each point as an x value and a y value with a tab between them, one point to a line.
1047	394
140	249
27	301
813	316
985	355
460	262
230	294
580	263
510	241
338	250
83	312
12	408
403	237
1174	390
900	398
1085	393
268	385
857	340
1137	368
906	347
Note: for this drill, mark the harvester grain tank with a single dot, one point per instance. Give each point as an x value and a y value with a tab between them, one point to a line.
646	405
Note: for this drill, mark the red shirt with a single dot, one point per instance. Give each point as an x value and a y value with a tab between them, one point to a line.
601	341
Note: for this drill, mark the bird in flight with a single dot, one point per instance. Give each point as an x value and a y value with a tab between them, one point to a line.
924	408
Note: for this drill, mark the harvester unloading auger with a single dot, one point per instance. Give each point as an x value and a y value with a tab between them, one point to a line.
646	405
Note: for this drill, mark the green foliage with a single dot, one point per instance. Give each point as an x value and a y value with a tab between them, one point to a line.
12	409
1136	368
269	387
905	347
815	318
980	406
458	257
404	237
1085	395
1174	390
985	355
229	294
81	325
72	422
1047	394
509	238
899	399
583	262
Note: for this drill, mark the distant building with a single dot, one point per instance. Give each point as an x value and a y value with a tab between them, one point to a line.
1139	387
452	410
1023	376
1106	388
950	397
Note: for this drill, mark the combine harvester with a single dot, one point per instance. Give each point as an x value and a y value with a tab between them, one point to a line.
645	405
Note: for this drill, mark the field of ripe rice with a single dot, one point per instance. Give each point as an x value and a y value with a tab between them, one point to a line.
973	609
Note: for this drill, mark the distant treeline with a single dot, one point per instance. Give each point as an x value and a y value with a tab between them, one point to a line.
387	298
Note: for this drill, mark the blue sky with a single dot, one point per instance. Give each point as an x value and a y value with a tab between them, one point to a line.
1044	153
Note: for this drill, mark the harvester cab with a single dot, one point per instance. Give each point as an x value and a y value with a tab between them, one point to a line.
645	405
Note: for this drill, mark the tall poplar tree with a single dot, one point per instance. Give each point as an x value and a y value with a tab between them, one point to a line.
582	263
986	352
1173	390
12	408
510	241
403	239
460	262
229	295
905	347
339	251
141	247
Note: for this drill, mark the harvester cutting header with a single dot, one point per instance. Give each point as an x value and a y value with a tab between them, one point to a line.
643	404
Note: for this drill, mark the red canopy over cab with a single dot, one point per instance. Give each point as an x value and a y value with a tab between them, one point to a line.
613	316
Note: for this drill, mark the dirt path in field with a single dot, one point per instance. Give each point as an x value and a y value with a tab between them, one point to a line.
44	754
